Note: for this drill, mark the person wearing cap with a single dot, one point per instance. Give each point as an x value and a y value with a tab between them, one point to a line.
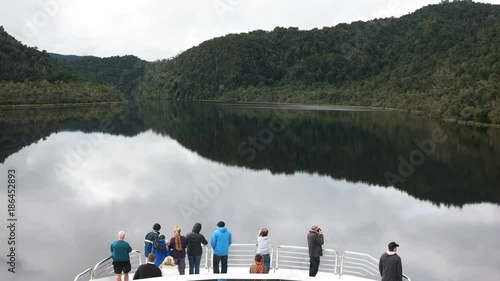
390	264
315	242
220	242
151	240
120	250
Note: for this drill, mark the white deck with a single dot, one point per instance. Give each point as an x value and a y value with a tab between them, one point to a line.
242	273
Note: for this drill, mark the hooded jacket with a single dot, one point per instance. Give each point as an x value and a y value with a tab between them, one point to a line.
390	267
195	239
221	240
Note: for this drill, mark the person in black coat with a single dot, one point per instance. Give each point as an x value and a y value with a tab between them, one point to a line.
194	249
148	270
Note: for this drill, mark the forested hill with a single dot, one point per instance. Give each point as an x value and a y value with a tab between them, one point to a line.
122	72
19	63
442	59
28	76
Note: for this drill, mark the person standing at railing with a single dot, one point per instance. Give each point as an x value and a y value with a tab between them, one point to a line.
315	243
194	249
258	266
178	245
151	240
389	265
120	250
161	255
264	246
220	242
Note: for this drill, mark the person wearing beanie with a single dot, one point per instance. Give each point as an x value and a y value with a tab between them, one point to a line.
194	249
152	241
220	242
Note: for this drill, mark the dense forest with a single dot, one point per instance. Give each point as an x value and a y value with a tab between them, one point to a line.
28	76
122	72
442	59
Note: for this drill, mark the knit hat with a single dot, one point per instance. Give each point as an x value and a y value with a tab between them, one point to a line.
157	226
221	224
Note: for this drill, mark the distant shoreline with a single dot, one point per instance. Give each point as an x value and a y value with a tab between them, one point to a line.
55	105
413	112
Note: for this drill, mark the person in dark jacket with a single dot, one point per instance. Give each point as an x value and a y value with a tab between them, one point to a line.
178	245
315	241
389	265
151	240
194	250
148	270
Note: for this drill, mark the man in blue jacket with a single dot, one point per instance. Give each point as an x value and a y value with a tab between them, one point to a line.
220	242
151	240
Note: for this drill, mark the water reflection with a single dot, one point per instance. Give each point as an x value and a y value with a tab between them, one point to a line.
170	169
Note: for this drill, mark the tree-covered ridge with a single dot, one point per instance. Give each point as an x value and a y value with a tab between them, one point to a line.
28	76
122	72
442	59
19	63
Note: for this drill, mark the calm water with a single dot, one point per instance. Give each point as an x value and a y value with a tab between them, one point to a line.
366	177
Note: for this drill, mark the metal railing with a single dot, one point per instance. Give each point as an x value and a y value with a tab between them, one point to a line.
292	257
286	257
105	267
242	255
360	264
85	275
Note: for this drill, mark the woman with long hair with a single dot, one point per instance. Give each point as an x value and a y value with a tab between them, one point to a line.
178	245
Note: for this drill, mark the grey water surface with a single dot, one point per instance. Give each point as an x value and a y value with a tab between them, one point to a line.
367	177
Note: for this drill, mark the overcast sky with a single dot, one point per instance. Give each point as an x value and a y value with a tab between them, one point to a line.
153	29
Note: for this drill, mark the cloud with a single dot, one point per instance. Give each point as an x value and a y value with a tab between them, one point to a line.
160	29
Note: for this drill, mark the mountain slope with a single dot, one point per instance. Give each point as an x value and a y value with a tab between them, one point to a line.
442	59
121	72
28	76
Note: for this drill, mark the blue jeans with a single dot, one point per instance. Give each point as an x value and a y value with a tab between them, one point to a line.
194	264
267	261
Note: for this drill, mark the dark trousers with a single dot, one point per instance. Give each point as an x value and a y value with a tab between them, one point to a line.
194	264
223	261
313	266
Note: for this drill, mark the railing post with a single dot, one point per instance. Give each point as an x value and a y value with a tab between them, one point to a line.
276	264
